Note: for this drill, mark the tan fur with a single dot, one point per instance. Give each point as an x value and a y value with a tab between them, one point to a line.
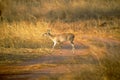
60	38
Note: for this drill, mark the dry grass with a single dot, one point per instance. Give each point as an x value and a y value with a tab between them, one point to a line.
95	24
20	39
65	10
28	35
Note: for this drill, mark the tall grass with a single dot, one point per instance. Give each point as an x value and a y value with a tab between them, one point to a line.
65	10
29	35
94	23
22	35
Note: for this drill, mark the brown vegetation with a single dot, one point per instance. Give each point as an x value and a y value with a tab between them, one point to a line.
65	10
96	24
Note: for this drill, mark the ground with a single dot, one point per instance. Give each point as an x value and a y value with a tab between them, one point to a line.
61	64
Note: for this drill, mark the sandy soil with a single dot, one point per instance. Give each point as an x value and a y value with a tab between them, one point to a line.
61	63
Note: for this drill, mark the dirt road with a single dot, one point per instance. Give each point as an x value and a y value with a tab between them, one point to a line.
62	64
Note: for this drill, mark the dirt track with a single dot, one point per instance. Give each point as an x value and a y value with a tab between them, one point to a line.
61	65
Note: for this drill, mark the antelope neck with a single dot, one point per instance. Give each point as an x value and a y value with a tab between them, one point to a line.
51	36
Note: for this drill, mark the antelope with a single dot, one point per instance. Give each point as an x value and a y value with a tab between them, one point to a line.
60	38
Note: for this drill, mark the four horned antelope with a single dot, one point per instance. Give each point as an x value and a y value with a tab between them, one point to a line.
60	38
